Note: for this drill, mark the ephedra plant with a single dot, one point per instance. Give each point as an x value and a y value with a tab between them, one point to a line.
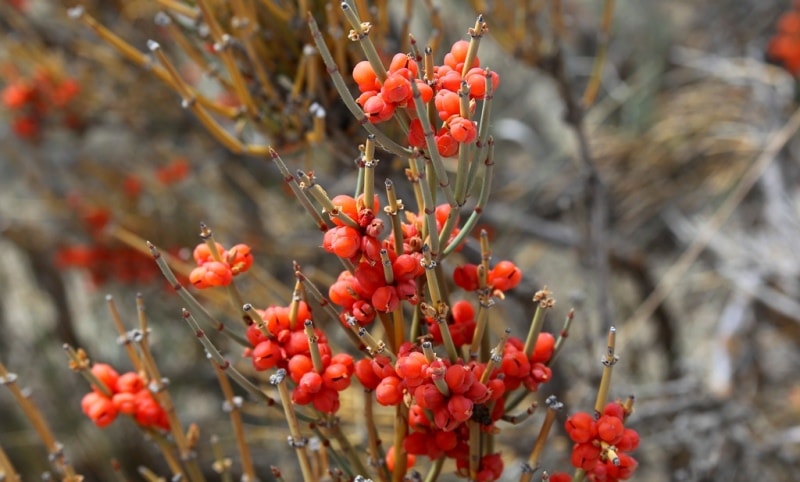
416	330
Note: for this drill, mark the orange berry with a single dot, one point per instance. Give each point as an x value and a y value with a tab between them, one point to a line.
202	253
505	276
462	311
389	391
366	375
390	459
343	241
90	399
16	95
450	81
378	109
102	411
396	89
239	258
404	61
106	374
447	104
446	144
125	403
463	130
416	136
459	50
364	76
129	382
346	205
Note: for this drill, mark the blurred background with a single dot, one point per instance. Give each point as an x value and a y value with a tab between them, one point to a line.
669	208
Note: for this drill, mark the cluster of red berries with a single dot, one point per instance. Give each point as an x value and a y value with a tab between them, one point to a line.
219	271
102	258
379	100
504	276
129	396
33	100
175	171
443	396
105	263
784	47
603	444
281	342
366	290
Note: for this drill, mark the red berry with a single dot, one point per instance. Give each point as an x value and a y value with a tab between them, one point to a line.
326	401
447	104
462	311
585	456
346	205
404	61
385	299
366	375
336	377
614	409
396	89
254	334
106	374
210	274
378	109
515	364
363	312
428	396
416	136
425	90
364	76
342	292
629	441
298	366
389	392
450	81
311	382
545	344
90	399
411	366
627	466
202	253
463	130
390	462
407	267
301	396
129	383
446	144
466	277
102	411
124	403
343	241
266	355
239	258
18	94
458	378
459	50
581	427
610	429
505	276
297	342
